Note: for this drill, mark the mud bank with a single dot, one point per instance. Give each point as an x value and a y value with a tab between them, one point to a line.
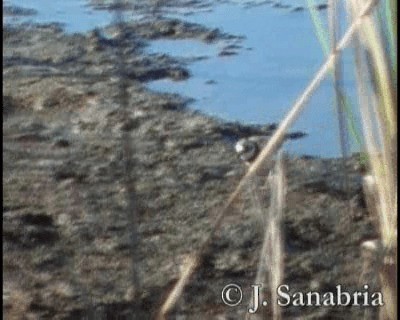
71	248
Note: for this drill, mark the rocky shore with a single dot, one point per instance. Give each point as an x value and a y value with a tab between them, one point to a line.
77	157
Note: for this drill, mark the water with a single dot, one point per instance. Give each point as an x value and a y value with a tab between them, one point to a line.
261	84
277	60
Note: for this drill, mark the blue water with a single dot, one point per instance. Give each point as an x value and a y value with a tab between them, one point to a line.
278	58
261	84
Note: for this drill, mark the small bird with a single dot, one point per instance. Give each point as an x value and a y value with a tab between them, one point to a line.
249	148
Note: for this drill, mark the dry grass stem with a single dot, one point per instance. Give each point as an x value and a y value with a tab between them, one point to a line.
370	254
275	236
334	31
177	290
270	266
378	103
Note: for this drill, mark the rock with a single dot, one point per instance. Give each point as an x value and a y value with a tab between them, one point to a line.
62	143
225	53
322	6
18	11
297	9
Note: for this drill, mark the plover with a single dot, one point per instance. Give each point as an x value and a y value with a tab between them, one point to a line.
249	148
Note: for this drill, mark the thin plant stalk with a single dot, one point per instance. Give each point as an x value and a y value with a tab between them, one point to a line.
379	119
320	31
334	31
271	264
343	106
275	236
133	207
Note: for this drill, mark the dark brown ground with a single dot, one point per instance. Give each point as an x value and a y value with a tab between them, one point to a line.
72	155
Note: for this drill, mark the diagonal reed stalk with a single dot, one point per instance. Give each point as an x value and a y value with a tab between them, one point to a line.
264	157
